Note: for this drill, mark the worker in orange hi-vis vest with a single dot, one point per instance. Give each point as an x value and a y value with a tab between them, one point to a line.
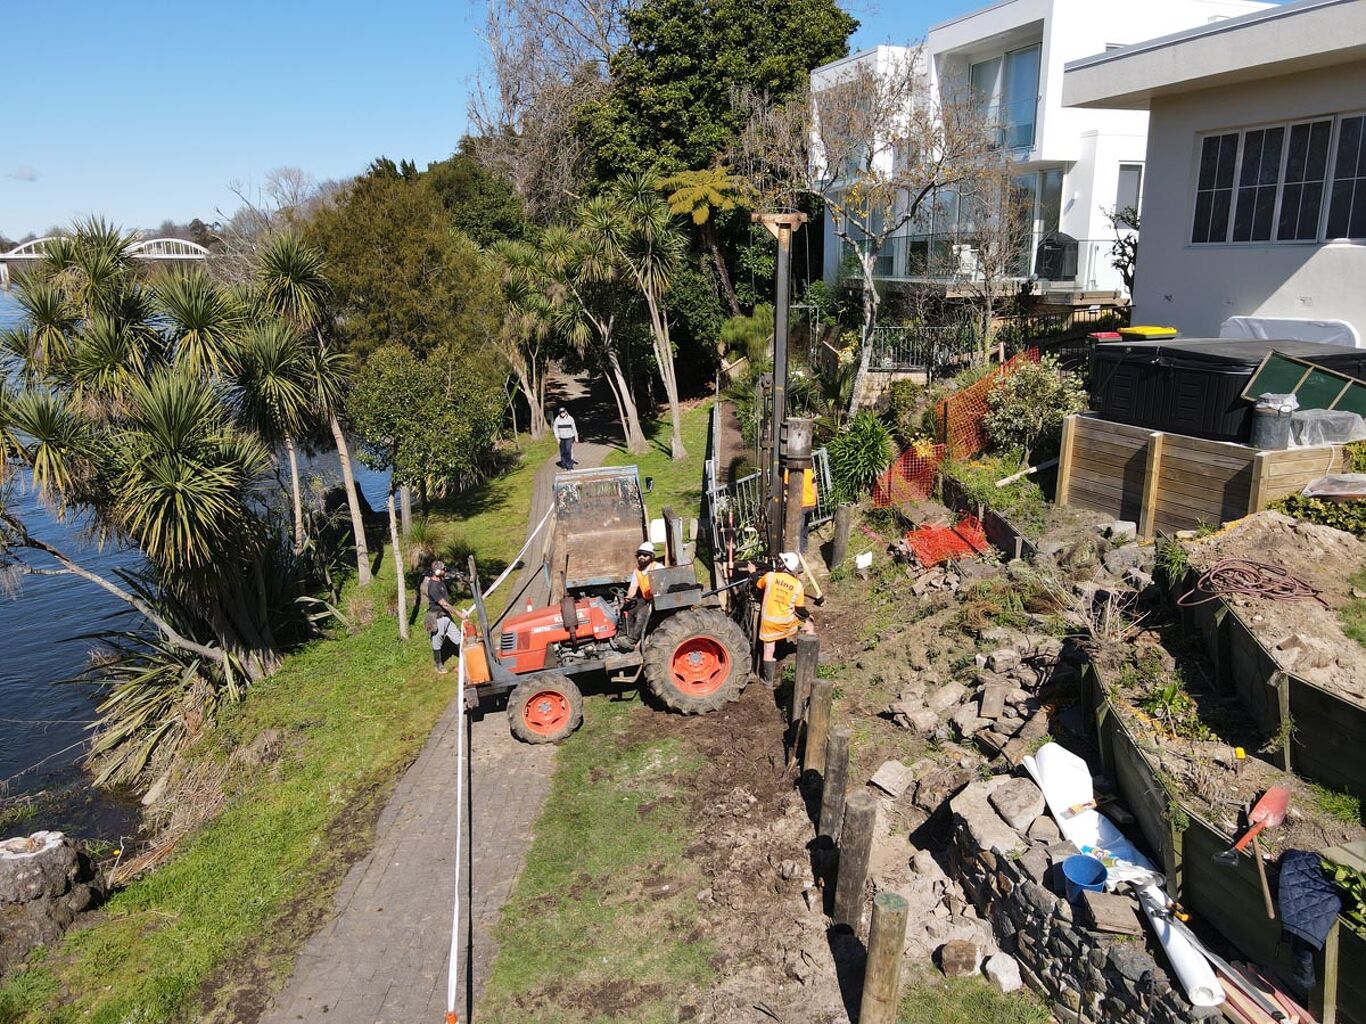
810	499
783	612
640	599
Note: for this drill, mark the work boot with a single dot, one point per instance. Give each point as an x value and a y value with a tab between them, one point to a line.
767	672
622	642
439	662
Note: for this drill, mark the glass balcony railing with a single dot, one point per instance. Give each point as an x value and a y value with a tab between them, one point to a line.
1075	264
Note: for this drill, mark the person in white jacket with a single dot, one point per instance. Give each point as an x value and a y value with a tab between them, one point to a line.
567	432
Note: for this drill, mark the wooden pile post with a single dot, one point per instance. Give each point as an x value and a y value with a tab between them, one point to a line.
818	725
856	848
835	782
808	654
882	974
839	549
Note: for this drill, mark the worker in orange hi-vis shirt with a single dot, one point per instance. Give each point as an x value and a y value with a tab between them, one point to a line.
783	612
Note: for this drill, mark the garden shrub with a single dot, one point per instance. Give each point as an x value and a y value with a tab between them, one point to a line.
903	409
859	455
1349	516
1026	408
1021	503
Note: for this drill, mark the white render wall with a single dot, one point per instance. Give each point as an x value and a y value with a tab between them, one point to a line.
1196	287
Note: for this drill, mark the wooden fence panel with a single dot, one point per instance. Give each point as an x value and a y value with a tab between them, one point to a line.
1328	741
1250	673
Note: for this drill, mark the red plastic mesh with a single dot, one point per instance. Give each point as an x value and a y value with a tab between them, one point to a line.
935	544
960	416
911	477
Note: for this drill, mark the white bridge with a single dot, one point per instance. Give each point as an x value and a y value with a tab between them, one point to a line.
173	250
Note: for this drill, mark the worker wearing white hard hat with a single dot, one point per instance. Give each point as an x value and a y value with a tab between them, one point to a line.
783	612
640	595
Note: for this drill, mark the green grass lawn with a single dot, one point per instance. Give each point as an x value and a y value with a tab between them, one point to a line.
677	485
1353	613
580	929
934	999
238	897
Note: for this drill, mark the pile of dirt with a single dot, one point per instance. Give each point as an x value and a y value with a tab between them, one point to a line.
1305	636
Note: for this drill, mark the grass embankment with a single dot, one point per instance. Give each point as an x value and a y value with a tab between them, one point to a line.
933	999
577	940
677	485
219	923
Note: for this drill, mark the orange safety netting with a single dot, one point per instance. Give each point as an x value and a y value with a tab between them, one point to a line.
960	416
935	544
911	477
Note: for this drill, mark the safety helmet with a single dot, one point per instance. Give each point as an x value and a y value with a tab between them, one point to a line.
789	561
646	548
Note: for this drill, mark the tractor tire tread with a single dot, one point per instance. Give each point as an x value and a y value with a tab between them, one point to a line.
527	689
661	643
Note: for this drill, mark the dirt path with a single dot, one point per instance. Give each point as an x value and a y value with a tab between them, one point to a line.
382	957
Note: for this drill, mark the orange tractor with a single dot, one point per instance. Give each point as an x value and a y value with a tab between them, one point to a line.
692	656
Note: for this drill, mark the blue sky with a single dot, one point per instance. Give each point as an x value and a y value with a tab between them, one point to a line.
144	110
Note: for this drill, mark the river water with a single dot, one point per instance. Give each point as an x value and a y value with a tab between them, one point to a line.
43	719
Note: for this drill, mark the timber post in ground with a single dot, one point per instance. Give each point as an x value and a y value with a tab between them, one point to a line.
834	782
856	847
882	973
839	547
808	653
818	726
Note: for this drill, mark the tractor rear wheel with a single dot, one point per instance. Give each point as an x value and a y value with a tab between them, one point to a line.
545	709
697	660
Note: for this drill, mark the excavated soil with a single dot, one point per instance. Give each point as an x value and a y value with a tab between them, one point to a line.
1324	558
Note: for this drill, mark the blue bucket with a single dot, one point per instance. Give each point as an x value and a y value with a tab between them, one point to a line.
1082	873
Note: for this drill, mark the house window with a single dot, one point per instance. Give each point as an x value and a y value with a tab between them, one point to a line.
1214	187
1271	184
1006	91
1130	187
1257	179
1347	207
1306	166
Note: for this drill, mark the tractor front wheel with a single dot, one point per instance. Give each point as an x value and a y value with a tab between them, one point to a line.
545	710
697	660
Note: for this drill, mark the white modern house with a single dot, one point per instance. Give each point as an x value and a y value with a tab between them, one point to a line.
1254	209
1074	163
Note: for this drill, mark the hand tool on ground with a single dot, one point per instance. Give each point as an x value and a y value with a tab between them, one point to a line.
1268	812
819	597
1225	970
1261	877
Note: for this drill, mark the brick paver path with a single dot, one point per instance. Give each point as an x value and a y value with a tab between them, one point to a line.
382	958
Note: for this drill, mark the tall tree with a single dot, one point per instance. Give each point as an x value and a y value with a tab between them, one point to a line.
670	104
877	148
271	394
525	336
402	275
292	284
701	195
590	307
652	249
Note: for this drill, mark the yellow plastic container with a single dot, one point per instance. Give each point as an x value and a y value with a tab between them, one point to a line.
1147	332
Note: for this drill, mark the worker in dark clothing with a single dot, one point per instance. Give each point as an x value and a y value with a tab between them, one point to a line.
640	600
441	616
567	433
